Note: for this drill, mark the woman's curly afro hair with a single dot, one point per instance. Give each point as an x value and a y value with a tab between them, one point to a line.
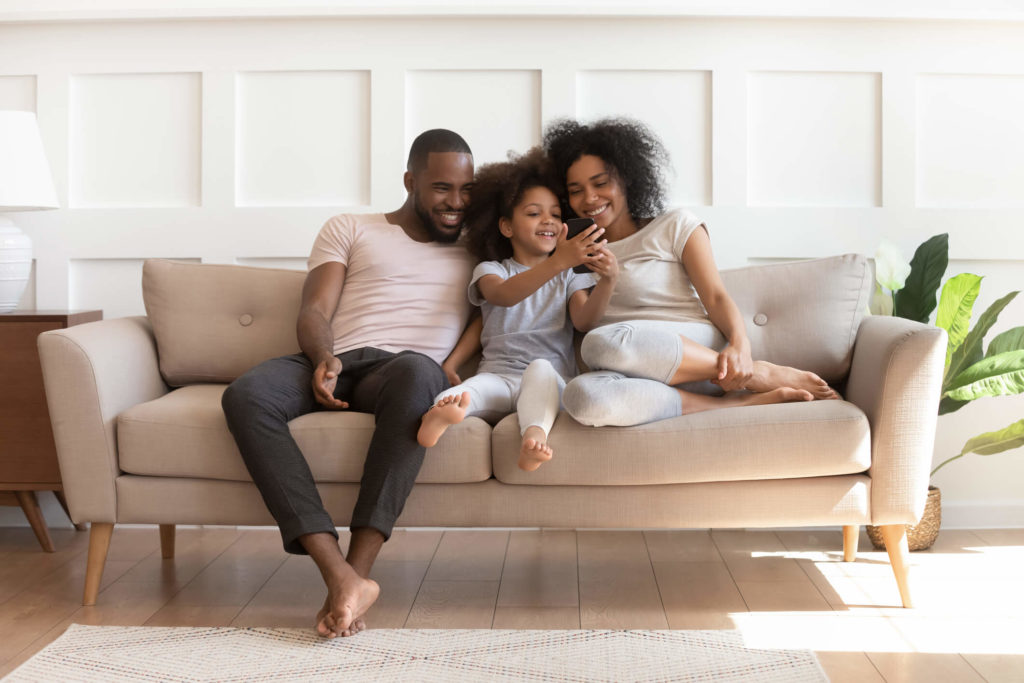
633	153
497	189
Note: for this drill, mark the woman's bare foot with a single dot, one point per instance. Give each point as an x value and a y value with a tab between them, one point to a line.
769	376
535	451
695	403
442	415
348	598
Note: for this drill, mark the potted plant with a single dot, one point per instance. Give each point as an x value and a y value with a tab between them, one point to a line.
971	371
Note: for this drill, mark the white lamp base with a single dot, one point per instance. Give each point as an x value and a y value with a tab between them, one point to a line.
15	264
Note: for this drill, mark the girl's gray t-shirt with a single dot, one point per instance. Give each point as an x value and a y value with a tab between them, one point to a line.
537	327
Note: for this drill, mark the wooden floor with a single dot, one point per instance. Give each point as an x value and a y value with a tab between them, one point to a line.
780	589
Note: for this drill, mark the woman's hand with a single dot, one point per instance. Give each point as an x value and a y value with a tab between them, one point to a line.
604	263
735	367
578	250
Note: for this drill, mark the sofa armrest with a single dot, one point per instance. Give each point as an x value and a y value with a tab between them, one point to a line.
895	378
92	373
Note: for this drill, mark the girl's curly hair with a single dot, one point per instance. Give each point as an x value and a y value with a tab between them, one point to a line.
497	189
632	151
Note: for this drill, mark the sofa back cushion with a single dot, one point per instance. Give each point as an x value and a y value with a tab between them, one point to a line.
803	313
214	322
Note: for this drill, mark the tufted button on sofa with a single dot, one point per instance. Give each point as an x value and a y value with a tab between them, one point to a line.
141	438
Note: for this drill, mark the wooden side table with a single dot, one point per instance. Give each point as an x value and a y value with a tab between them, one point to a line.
28	456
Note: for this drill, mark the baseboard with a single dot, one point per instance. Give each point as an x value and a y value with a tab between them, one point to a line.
993	515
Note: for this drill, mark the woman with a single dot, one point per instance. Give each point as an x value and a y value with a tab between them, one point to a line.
672	341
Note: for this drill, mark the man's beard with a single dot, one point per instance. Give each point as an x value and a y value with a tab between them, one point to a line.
436	233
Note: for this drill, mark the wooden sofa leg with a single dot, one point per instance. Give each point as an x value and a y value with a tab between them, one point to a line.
167	541
99	544
895	537
851	535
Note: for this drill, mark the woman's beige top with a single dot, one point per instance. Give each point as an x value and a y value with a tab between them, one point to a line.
653	284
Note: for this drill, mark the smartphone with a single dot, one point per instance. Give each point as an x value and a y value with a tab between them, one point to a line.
576	226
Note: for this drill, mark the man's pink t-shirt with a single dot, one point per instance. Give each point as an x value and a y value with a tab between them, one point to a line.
399	293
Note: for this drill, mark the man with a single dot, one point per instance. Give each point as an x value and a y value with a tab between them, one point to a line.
382	306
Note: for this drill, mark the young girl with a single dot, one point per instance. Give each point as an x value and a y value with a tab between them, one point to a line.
524	286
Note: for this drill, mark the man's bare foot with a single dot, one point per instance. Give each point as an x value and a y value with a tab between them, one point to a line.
446	412
347	601
534	451
769	376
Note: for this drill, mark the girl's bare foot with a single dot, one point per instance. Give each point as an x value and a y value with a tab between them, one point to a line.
446	412
769	376
348	598
535	451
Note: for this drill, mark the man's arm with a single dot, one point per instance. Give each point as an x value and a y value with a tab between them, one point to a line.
320	295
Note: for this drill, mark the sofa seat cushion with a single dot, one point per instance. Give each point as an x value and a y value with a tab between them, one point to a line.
184	434
820	438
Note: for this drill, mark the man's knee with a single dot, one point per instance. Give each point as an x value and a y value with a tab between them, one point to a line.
415	371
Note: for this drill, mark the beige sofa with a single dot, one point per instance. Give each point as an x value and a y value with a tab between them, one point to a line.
141	438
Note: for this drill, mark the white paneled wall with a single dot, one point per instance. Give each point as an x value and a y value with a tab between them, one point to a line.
232	140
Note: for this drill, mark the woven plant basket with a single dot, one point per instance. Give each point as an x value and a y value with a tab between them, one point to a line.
922	535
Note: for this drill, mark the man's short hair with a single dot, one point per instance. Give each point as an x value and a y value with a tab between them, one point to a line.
434	140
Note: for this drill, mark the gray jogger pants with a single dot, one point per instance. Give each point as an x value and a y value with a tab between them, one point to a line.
396	388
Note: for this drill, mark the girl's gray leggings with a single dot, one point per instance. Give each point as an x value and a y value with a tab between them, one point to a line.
633	363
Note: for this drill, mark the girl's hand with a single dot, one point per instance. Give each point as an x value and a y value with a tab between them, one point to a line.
735	367
604	263
451	374
576	251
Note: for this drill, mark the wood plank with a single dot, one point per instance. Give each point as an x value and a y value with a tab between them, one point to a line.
917	667
617	584
849	667
469	556
782	596
411	545
698	595
231	580
454	604
540	570
556	618
756	556
998	668
681	546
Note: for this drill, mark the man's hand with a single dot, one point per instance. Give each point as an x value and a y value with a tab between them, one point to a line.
325	378
735	368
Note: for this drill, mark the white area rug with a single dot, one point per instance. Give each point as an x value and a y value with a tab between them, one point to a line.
113	653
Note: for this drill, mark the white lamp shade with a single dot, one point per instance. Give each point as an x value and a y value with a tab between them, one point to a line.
25	181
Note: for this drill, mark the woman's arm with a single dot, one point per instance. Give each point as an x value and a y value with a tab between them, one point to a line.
735	365
468	344
586	310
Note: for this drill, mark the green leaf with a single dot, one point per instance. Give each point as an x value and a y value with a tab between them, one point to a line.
949	405
916	300
991	443
955	306
1011	340
999	375
969	352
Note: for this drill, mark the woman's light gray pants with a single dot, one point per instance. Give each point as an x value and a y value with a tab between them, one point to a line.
633	362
